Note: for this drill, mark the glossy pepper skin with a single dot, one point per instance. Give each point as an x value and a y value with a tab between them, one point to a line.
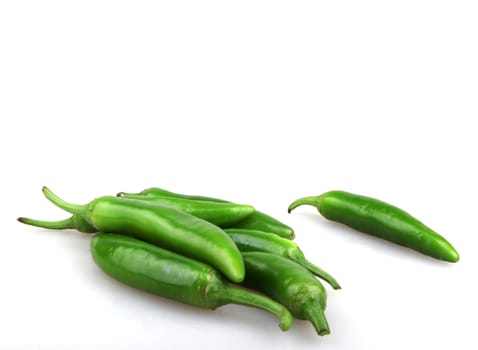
145	266
256	221
163	226
257	241
380	219
220	214
290	284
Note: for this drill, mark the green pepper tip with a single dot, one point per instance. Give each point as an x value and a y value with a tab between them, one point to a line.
453	256
286	320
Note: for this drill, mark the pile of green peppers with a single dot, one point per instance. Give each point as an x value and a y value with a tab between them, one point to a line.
209	252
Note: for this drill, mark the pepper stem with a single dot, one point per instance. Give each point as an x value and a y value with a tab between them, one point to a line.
316	316
301	260
55	225
74	222
235	295
312	200
60	203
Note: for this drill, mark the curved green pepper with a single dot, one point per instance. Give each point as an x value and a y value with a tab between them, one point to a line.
163	226
160	192
253	241
220	214
290	284
256	221
380	219
153	269
217	213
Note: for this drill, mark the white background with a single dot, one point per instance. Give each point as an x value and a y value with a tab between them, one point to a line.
258	102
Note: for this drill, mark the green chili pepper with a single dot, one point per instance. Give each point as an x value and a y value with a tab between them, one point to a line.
220	214
170	275
256	221
159	192
290	284
163	226
73	222
263	222
382	220
214	212
254	240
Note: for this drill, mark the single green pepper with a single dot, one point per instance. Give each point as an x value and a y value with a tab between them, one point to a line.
256	221
163	226
160	192
144	266
290	284
254	241
380	219
220	214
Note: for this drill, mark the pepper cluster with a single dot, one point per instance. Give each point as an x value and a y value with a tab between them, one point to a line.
201	251
209	252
